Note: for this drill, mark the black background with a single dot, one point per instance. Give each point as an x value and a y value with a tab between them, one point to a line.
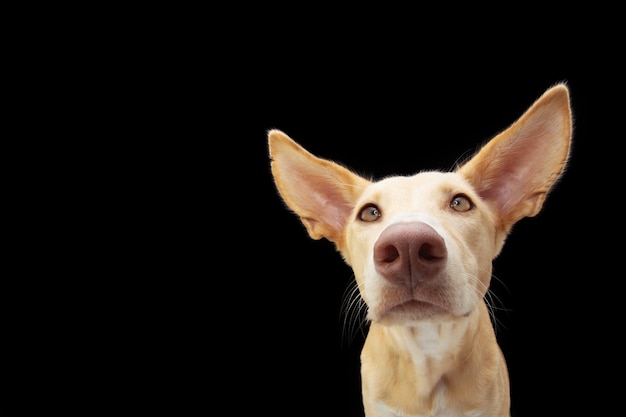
166	274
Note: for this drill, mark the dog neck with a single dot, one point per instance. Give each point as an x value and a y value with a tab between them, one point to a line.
432	349
436	358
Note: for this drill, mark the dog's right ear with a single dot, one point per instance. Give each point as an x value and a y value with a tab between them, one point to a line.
321	192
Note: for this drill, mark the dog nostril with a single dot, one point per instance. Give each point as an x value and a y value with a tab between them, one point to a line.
428	252
387	254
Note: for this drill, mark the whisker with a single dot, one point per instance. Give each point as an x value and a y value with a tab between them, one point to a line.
354	313
493	302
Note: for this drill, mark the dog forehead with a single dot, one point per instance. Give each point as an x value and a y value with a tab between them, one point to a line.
423	186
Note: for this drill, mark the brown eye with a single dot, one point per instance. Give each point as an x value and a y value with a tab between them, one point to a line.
461	202
369	213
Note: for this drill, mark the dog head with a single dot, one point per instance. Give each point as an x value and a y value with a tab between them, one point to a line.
422	246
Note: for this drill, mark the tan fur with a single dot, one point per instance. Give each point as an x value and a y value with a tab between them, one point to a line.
421	248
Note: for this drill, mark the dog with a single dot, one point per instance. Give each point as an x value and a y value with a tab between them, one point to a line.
421	248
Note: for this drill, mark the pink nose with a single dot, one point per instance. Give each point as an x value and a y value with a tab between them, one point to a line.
409	253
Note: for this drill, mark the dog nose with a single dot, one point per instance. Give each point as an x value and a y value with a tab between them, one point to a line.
408	253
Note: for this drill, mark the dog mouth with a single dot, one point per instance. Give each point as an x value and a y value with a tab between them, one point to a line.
395	305
415	310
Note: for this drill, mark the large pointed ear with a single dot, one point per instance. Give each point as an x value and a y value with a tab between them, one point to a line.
321	192
516	169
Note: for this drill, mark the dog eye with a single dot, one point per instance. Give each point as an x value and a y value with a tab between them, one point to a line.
369	213
461	202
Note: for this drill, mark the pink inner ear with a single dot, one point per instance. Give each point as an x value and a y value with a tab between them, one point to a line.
321	192
327	199
515	170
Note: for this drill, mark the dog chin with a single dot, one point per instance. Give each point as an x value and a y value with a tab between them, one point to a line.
413	310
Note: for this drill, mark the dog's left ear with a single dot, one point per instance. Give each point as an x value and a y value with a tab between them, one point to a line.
516	169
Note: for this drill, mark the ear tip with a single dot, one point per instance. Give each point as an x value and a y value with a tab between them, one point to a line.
560	89
278	142
272	133
274	136
557	95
